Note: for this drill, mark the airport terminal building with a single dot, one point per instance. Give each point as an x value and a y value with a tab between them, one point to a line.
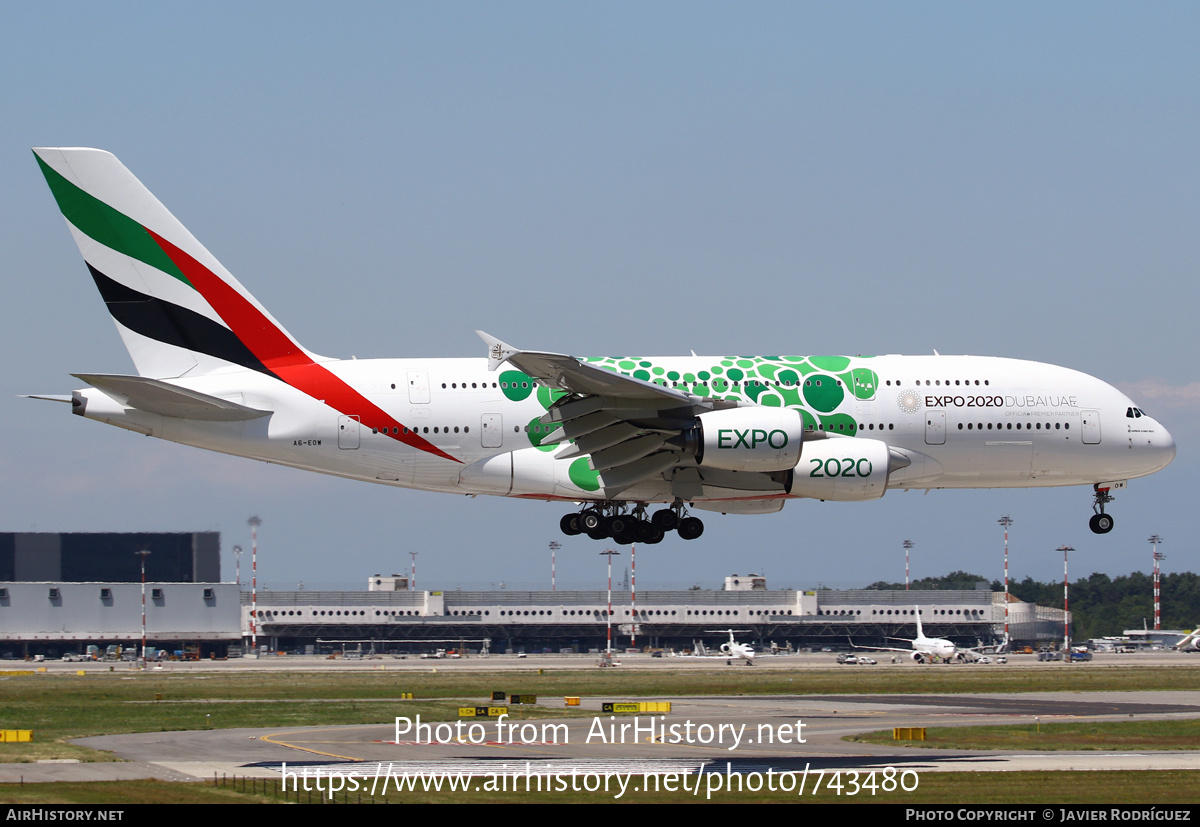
62	592
577	621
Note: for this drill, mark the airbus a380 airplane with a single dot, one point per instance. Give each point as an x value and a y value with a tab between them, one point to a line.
730	434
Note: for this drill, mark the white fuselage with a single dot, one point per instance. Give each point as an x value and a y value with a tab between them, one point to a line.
959	421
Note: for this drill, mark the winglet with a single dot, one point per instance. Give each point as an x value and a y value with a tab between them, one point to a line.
498	352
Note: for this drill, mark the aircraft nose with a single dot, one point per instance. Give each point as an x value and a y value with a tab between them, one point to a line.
1167	447
1162	446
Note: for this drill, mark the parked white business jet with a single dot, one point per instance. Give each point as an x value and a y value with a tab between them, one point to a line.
728	651
731	434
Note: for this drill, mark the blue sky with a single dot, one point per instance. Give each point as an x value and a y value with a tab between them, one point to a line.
607	179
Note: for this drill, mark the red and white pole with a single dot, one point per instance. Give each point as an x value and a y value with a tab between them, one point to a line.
554	547
144	553
908	544
1005	521
254	522
633	592
609	553
1066	605
1158	557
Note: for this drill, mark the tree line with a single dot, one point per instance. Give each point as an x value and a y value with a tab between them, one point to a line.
1101	605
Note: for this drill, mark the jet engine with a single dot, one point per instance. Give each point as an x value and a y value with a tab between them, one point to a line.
844	470
745	439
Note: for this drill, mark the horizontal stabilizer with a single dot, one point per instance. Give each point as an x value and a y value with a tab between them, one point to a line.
154	396
47	396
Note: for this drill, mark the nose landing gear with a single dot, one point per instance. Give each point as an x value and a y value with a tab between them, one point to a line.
1100	523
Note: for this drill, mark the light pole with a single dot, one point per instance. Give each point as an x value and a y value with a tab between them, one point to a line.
1158	558
254	523
412	580
908	544
1066	610
633	595
554	547
609	554
1005	521
144	553
237	558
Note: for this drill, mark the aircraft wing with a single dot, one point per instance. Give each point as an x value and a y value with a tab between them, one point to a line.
567	373
907	651
629	428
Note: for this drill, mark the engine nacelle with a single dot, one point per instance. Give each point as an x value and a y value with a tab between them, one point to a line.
747	439
844	470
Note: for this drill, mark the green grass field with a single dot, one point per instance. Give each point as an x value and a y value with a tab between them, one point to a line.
61	706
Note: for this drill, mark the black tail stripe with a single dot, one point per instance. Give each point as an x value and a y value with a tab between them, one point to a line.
173	325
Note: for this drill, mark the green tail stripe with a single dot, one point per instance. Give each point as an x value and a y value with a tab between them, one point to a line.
106	225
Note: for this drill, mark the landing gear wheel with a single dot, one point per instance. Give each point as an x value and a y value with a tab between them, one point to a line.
570	525
590	520
643	530
619	525
666	519
690	528
1101	523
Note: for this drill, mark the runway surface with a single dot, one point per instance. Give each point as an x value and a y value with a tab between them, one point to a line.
699	735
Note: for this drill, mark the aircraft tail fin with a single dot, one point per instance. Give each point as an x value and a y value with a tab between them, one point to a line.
178	310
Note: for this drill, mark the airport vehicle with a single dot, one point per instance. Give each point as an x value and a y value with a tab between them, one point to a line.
924	649
614	435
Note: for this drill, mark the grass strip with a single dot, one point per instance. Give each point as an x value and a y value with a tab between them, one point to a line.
62	705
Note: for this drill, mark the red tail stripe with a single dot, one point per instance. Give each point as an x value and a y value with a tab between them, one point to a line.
266	341
283	357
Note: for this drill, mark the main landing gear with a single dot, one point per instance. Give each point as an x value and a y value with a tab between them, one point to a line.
624	525
1100	523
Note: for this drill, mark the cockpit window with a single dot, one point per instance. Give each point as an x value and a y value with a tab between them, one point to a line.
1135	413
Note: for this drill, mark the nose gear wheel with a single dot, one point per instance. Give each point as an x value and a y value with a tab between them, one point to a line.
1100	523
